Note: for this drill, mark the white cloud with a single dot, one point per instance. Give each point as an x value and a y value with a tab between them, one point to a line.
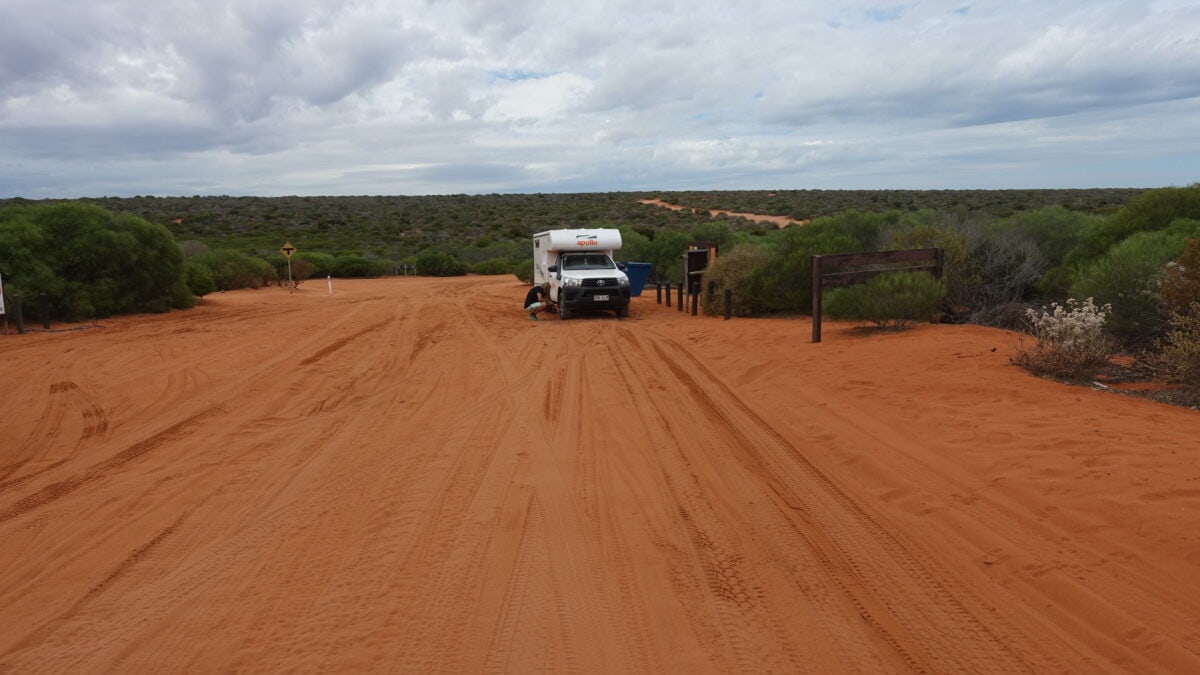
333	97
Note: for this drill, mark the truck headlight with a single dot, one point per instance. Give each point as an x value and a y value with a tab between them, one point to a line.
571	282
623	281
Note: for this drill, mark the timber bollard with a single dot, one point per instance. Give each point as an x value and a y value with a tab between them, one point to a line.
668	293
682	297
16	300
728	303
658	291
44	300
695	301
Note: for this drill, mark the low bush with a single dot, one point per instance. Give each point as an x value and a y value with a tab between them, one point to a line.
493	266
784	281
524	270
931	230
199	279
348	266
439	264
1127	277
1178	356
1071	342
733	270
1179	288
893	300
231	269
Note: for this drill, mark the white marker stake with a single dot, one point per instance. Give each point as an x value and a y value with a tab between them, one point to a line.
329	280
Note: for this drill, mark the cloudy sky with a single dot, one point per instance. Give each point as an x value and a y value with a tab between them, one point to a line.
322	97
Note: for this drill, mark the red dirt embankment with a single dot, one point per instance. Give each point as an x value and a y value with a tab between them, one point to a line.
778	221
410	475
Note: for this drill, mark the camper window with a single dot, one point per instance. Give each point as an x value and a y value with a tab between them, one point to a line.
591	261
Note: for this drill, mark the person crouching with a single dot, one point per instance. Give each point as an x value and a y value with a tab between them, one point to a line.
537	300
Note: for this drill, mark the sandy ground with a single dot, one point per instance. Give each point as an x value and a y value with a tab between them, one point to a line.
778	221
410	475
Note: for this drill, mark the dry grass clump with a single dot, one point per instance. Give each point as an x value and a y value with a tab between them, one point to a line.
1070	340
1178	356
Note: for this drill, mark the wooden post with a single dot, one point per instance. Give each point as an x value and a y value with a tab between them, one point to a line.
44	299
728	303
695	299
668	292
816	298
658	291
16	300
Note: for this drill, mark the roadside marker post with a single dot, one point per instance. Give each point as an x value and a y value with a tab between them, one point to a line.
288	250
329	280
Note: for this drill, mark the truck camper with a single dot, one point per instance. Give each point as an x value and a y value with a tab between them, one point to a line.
579	267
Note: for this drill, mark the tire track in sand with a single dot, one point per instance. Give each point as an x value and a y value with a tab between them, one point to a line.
931	629
65	397
60	489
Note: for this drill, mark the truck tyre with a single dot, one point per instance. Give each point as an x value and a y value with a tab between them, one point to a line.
623	312
563	312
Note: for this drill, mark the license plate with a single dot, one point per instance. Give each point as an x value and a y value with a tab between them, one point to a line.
600	298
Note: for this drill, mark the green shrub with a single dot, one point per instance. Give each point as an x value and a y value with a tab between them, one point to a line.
891	300
348	266
1054	229
666	253
1148	212
322	263
439	264
524	271
959	277
734	270
1070	340
784	281
90	262
231	269
493	266
199	279
1127	277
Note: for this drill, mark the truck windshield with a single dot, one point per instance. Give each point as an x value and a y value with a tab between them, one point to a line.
589	261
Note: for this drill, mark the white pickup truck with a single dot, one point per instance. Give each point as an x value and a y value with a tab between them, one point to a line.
579	267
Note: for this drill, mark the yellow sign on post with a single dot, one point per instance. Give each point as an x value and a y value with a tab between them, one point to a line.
287	252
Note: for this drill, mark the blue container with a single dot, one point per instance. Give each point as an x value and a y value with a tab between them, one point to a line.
638	273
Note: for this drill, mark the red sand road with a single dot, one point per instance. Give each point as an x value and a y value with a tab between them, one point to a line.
410	475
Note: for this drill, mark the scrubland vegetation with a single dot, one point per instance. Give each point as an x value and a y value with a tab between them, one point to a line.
1018	259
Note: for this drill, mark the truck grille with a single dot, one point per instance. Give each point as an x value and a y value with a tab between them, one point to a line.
600	283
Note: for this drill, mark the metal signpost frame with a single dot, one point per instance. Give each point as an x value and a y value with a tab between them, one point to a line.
288	251
847	269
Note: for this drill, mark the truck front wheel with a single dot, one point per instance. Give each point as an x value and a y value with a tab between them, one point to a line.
563	312
623	312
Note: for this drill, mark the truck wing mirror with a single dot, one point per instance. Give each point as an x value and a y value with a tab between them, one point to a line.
552	268
621	266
